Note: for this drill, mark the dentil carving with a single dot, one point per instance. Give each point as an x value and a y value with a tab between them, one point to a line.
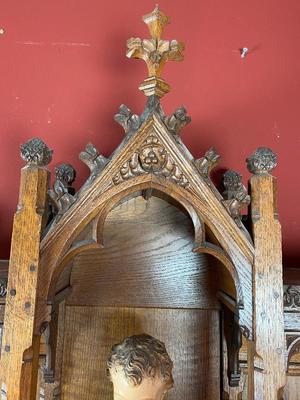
62	193
127	119
151	158
177	120
262	161
235	195
36	152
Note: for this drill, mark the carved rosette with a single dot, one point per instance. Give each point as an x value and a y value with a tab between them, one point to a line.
36	152
151	158
262	161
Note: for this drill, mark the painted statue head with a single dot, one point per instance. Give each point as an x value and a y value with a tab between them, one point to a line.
140	369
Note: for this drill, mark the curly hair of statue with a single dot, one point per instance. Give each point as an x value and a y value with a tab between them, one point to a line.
140	357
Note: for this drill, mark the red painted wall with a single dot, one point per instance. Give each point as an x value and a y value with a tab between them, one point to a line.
63	74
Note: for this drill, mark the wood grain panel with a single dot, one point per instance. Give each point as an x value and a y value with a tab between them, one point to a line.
191	336
147	261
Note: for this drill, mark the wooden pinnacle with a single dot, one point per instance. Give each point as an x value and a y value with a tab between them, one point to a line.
155	52
156	22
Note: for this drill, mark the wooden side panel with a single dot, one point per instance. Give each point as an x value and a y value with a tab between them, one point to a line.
267	355
191	336
147	261
19	355
292	388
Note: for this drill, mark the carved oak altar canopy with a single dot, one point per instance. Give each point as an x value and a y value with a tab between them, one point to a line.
50	227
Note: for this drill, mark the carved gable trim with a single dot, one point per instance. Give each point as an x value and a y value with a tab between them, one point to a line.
152	157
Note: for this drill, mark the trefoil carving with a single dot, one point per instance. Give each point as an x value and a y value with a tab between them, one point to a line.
151	158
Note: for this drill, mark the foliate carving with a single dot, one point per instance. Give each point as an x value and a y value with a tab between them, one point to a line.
36	152
3	287
155	52
62	193
291	298
177	121
153	158
93	159
207	163
127	119
235	194
262	161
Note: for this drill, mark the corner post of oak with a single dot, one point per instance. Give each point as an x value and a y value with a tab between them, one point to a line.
267	351
21	342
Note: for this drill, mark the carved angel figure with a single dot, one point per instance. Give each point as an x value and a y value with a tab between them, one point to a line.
140	369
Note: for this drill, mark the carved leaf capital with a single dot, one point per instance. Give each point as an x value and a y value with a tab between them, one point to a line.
262	161
36	152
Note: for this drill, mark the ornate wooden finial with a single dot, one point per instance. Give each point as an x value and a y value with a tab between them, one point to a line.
262	161
36	152
155	52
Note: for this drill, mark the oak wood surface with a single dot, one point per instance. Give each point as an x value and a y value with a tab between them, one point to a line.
147	261
191	337
20	346
103	194
267	353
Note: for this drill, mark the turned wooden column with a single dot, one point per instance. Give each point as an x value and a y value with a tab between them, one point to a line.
20	344
267	352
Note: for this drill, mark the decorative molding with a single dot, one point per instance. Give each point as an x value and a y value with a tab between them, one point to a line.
233	337
207	163
153	158
262	161
235	195
36	152
291	298
3	287
177	120
94	160
62	194
127	119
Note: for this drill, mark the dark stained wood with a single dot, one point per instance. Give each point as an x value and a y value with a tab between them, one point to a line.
147	261
191	337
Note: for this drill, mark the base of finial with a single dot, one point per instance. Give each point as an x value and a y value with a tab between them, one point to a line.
154	86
